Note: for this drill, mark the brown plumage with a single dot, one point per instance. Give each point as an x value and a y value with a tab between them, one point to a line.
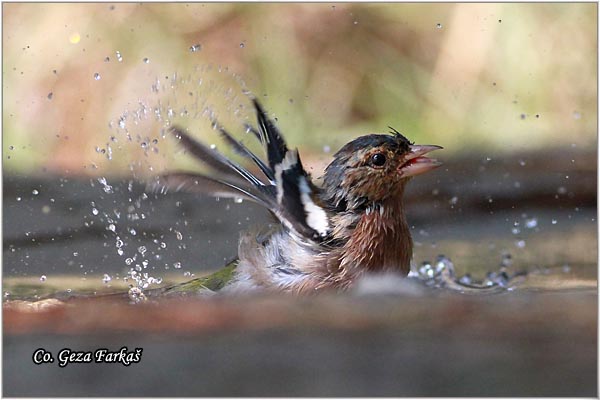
329	236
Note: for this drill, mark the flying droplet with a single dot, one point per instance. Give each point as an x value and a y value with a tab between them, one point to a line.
531	223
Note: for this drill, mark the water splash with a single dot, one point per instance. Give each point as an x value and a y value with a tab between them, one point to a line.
442	274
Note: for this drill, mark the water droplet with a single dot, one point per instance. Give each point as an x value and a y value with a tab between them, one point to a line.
35	192
50	96
94	211
136	295
453	200
465	279
196	47
178	235
520	244
18	199
531	223
177	265
242	45
439	26
43	278
146	60
119	57
238	200
107	59
105	186
97	76
106	278
112	228
426	270
129	261
522	163
554	222
142	250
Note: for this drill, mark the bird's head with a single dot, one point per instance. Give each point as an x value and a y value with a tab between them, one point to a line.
373	168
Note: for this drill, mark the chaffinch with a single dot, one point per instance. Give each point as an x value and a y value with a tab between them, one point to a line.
328	236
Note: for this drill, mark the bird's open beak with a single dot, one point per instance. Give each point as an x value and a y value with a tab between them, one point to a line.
416	163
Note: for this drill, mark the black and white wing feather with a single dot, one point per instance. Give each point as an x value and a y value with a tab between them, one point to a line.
289	194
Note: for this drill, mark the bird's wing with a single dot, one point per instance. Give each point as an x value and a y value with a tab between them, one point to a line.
197	183
296	195
290	195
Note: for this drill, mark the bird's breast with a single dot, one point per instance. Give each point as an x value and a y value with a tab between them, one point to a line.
380	241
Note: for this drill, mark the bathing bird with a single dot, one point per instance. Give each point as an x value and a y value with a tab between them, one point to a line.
325	236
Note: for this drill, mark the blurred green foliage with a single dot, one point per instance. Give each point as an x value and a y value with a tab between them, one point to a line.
498	77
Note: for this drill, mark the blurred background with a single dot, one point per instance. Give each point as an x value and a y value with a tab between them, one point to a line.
85	80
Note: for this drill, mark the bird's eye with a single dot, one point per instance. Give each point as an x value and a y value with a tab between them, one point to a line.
378	160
